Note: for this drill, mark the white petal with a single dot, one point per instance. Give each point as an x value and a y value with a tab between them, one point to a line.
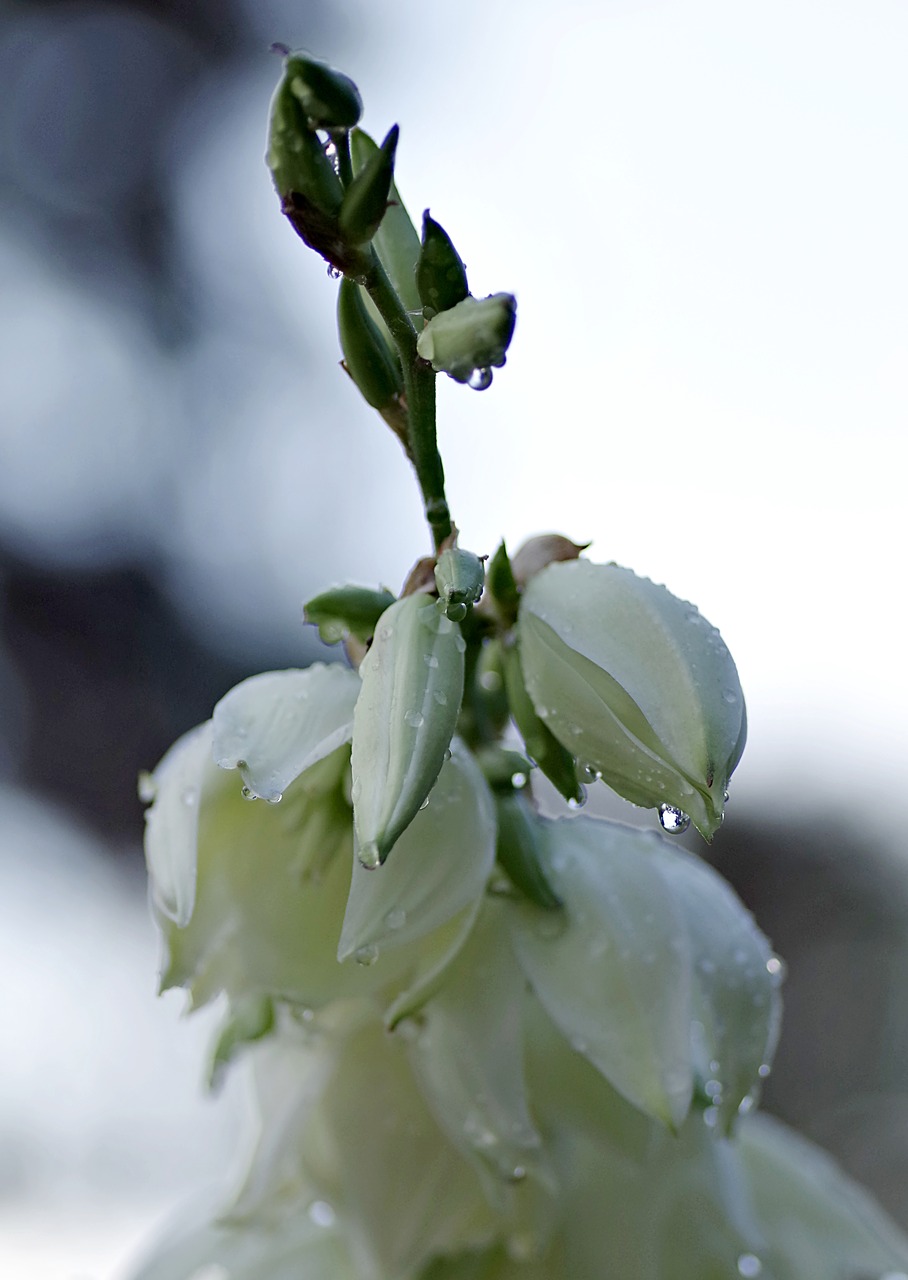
274	726
172	823
614	973
438	866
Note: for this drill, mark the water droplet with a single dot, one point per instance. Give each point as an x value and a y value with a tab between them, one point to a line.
369	856
276	798
518	1173
322	1214
725	795
763	1070
248	794
415	719
190	797
729	696
460	644
490	681
589	773
307	1014
430	660
711	1117
713	1089
447	754
366	955
578	801
425	803
396	918
746	1105
775	967
673	820
749	1266
385	633
480	379
334	273
440	697
518	780
456	611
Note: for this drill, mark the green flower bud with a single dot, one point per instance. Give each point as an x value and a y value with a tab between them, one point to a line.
637	685
503	585
344	611
555	761
329	99
469	339
440	274
366	199
368	359
412	688
302	173
519	850
459	577
396	241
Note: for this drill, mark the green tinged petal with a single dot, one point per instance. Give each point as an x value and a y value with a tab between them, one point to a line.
473	335
412	688
635	683
615	973
347	610
440	865
275	726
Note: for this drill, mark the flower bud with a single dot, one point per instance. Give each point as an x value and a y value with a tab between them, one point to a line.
470	338
555	760
412	688
635	684
329	99
366	199
440	274
368	359
519	850
296	157
459	577
396	241
503	585
545	549
349	610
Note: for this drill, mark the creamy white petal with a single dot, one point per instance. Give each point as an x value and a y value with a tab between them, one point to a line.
274	726
172	823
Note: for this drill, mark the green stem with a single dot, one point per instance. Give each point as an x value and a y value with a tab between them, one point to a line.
341	140
419	385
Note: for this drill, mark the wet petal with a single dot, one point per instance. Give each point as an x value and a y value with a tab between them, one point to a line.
172	823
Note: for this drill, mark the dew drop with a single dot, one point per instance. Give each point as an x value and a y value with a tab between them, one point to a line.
459	643
480	379
430	660
589	773
396	918
276	798
729	696
334	273
425	803
578	801
711	1117
190	797
369	856
713	1089
746	1105
415	719
322	1214
725	795
366	955
440	697
490	681
763	1070
673	820
775	967
518	1173
447	754
749	1266
456	611
248	794
518	780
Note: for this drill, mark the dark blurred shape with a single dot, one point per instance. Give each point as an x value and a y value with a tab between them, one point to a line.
110	677
834	901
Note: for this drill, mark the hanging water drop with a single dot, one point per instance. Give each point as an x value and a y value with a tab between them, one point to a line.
749	1266
775	967
490	681
248	794
480	379
518	781
578	801
322	1214
673	820
369	856
190	797
334	273
366	955
456	611
276	798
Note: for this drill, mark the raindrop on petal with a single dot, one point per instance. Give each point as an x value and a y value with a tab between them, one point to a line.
366	955
749	1266
673	820
480	379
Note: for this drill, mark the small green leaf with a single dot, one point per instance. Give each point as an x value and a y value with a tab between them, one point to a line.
347	610
521	837
440	274
503	585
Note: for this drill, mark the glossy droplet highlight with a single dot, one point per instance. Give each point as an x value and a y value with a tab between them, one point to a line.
322	1214
190	797
334	273
366	955
480	379
276	799
415	719
396	918
518	781
248	794
369	856
673	820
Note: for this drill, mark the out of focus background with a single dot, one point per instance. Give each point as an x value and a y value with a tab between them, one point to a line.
702	210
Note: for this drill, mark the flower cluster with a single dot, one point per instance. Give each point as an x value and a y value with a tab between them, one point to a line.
491	1044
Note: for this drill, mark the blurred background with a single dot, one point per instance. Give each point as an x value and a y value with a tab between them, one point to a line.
702	210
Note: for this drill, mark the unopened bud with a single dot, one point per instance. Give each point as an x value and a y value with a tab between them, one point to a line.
459	577
440	274
329	99
366	199
471	337
369	360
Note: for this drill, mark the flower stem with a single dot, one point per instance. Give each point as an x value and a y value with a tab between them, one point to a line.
419	385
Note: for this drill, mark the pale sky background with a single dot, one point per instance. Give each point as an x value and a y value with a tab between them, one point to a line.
701	208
